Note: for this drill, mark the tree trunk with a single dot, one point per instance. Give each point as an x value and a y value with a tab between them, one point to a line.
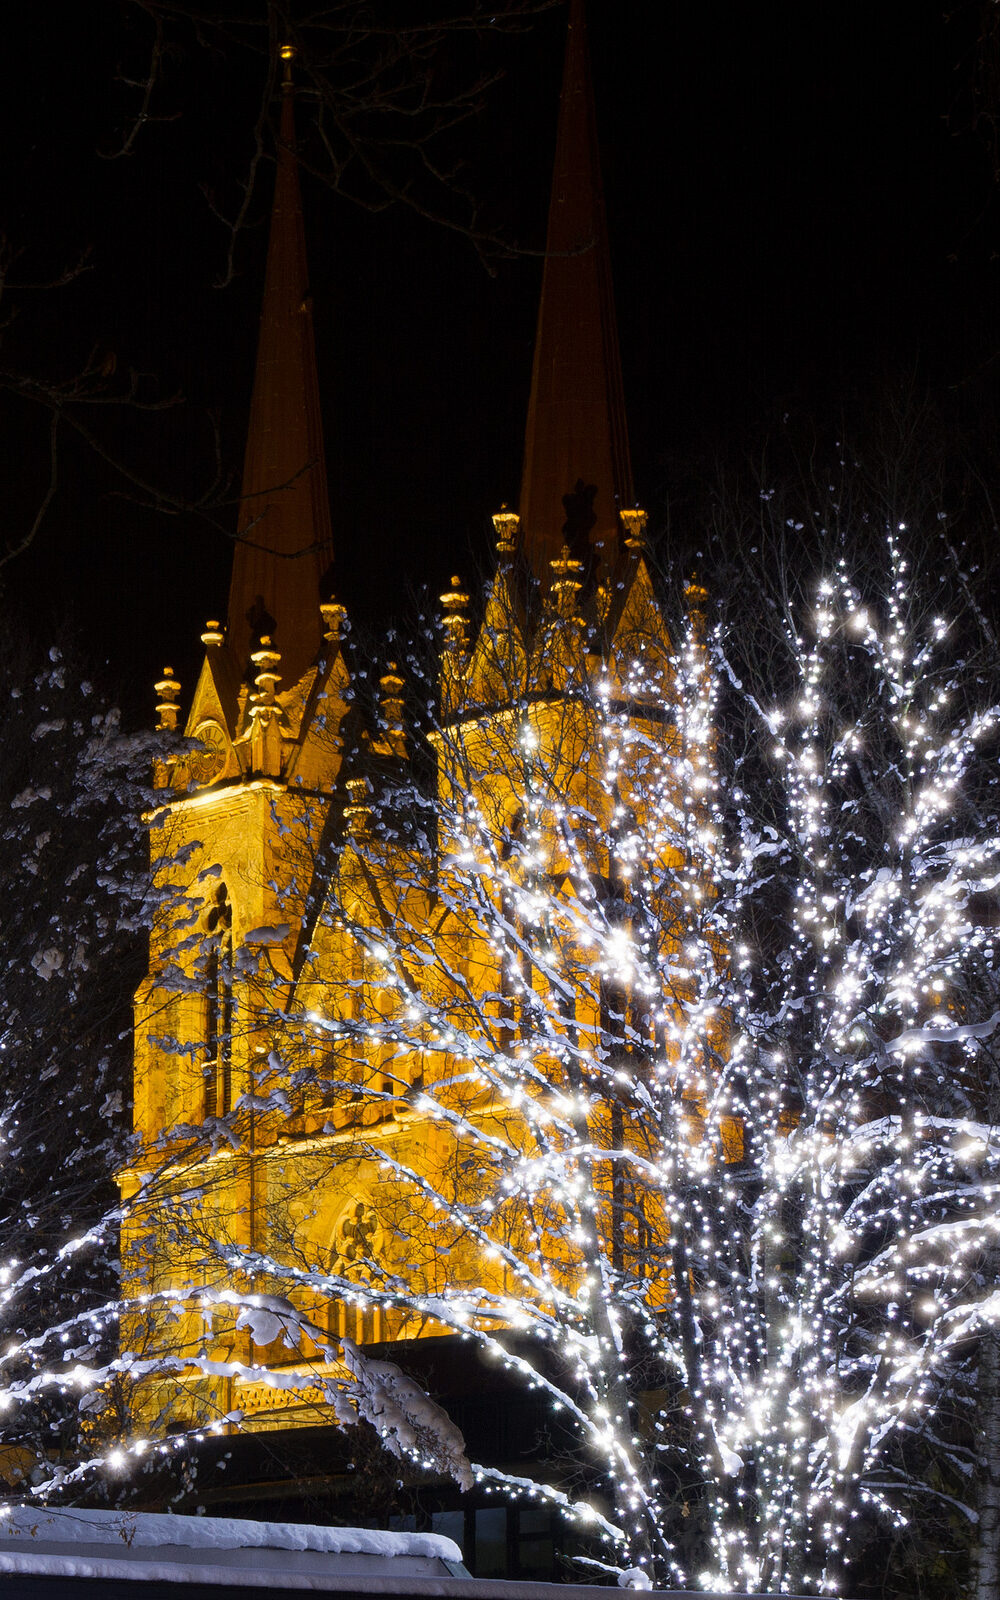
986	1565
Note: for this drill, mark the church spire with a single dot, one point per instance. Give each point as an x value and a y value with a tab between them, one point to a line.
577	473
284	544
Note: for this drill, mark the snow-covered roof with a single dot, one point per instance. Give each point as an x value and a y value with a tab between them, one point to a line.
130	1546
117	1545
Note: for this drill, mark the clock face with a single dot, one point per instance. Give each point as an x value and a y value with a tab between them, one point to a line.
204	766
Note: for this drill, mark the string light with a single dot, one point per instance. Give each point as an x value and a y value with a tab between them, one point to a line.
660	1090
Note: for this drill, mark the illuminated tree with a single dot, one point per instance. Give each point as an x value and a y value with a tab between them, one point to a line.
867	997
648	1047
744	1178
76	902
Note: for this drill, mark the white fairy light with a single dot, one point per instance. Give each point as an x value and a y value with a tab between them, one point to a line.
640	1063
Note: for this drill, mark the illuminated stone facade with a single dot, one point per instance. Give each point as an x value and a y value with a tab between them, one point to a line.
268	821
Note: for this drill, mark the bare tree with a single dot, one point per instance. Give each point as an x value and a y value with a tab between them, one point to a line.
77	902
386	93
666	1093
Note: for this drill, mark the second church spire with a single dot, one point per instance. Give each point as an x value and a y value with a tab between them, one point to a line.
577	473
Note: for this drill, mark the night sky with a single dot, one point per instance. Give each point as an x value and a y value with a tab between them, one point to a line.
801	218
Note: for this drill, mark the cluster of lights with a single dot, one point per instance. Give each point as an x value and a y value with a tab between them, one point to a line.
719	1200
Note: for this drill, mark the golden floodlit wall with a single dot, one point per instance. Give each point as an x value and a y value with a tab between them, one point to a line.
272	1117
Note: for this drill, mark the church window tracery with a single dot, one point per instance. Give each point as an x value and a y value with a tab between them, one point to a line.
218	1070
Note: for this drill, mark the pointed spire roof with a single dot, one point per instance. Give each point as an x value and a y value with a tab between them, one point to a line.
576	433
284	543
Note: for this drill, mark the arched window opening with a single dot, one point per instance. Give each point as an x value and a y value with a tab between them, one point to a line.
512	832
218	1068
514	965
511	966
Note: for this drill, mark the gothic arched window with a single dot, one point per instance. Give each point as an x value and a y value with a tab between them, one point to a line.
218	1068
515	967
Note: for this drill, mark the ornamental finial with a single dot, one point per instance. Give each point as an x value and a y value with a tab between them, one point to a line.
455	622
567	581
335	621
391	698
358	813
634	523
266	659
167	709
506	524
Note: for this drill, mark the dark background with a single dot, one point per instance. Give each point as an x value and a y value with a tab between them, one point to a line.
803	221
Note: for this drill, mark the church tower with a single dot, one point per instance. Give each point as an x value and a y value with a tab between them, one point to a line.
275	1095
578	537
244	812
